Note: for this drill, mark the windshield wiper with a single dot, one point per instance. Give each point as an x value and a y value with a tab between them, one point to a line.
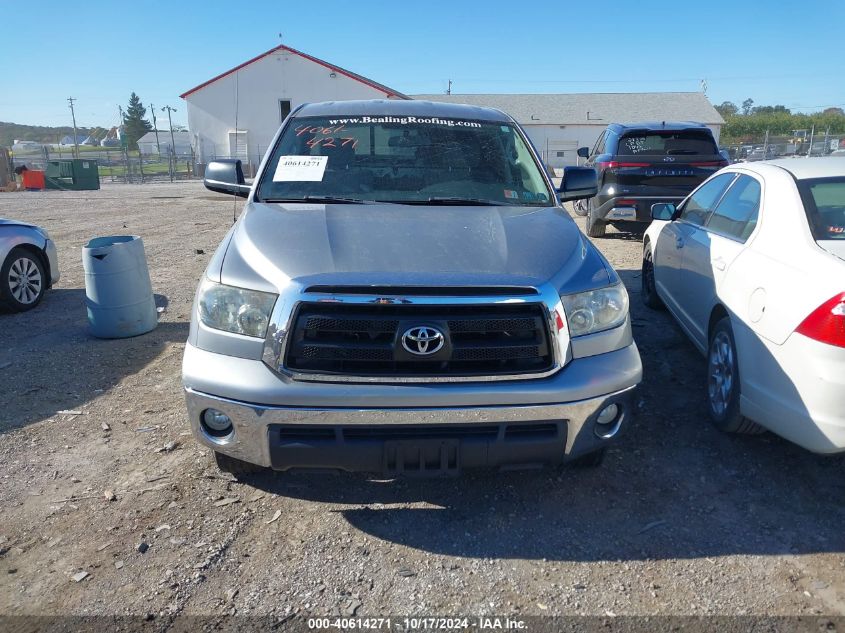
320	200
453	200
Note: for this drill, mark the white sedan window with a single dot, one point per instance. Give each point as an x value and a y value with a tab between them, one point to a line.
736	214
698	206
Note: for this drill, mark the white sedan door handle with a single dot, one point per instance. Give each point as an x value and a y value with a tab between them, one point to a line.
718	263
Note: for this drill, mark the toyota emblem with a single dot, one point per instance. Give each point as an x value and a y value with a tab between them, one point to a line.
423	340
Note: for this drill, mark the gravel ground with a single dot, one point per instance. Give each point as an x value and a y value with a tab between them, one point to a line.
680	519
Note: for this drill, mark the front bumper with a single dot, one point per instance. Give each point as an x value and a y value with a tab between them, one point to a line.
416	428
53	260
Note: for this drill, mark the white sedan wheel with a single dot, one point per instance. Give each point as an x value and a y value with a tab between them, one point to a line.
25	281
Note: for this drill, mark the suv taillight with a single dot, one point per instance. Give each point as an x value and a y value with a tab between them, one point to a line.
711	163
827	323
614	164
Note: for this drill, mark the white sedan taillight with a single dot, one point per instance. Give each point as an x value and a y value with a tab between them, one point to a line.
827	323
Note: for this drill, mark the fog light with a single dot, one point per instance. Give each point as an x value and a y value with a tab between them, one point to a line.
216	423
608	415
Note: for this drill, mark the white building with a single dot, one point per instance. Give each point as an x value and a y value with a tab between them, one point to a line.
147	144
262	91
558	124
259	94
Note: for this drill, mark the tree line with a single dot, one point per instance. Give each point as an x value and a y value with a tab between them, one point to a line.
747	121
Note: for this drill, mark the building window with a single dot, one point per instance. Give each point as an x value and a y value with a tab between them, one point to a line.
284	109
561	154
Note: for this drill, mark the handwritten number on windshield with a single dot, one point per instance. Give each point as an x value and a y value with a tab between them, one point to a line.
331	141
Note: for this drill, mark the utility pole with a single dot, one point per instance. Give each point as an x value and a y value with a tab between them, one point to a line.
155	128
168	109
70	100
812	134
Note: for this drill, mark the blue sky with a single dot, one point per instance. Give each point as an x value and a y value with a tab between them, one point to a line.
775	53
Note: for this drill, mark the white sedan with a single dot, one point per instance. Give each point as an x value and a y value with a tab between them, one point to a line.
752	266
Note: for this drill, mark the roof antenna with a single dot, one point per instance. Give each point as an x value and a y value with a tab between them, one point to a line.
237	101
280	40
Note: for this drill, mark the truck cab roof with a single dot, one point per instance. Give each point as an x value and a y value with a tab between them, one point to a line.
396	107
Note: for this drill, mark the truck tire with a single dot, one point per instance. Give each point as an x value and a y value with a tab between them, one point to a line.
236	467
595	227
723	386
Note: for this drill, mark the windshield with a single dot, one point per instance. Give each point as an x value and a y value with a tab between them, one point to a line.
684	142
824	202
411	160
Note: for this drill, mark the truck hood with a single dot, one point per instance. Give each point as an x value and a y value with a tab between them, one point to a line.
395	244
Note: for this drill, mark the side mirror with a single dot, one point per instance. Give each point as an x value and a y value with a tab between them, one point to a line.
578	183
226	175
584	152
663	211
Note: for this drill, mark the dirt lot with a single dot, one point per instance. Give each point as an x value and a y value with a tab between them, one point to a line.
680	519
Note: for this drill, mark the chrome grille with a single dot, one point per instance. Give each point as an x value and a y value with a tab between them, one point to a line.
363	340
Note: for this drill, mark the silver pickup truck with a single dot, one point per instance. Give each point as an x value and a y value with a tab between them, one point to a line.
404	293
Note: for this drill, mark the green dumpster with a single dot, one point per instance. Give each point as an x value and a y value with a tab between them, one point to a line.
73	174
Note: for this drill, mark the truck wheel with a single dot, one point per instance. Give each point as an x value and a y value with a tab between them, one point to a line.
723	387
595	227
649	291
236	467
580	208
590	460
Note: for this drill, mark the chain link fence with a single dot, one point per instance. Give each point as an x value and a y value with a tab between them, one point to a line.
769	147
116	164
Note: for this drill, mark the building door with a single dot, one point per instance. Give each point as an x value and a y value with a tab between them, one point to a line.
284	109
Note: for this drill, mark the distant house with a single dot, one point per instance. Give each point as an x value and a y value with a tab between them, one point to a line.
558	124
90	140
68	139
147	143
26	146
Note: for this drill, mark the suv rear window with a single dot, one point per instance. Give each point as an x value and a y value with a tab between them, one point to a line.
683	142
824	202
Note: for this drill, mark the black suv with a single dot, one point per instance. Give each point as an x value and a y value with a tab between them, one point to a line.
642	163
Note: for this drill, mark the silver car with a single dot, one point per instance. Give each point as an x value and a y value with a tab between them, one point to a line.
404	293
28	265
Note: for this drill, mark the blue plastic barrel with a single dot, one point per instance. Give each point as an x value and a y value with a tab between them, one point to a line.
119	296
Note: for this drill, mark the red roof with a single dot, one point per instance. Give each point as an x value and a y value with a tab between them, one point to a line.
389	92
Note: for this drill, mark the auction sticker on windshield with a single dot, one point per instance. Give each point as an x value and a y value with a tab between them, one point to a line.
300	169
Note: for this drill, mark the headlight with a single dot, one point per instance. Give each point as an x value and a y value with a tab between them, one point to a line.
235	310
596	310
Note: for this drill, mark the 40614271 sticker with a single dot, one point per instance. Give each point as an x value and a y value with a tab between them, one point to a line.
300	169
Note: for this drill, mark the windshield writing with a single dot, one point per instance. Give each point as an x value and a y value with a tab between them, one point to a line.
409	159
